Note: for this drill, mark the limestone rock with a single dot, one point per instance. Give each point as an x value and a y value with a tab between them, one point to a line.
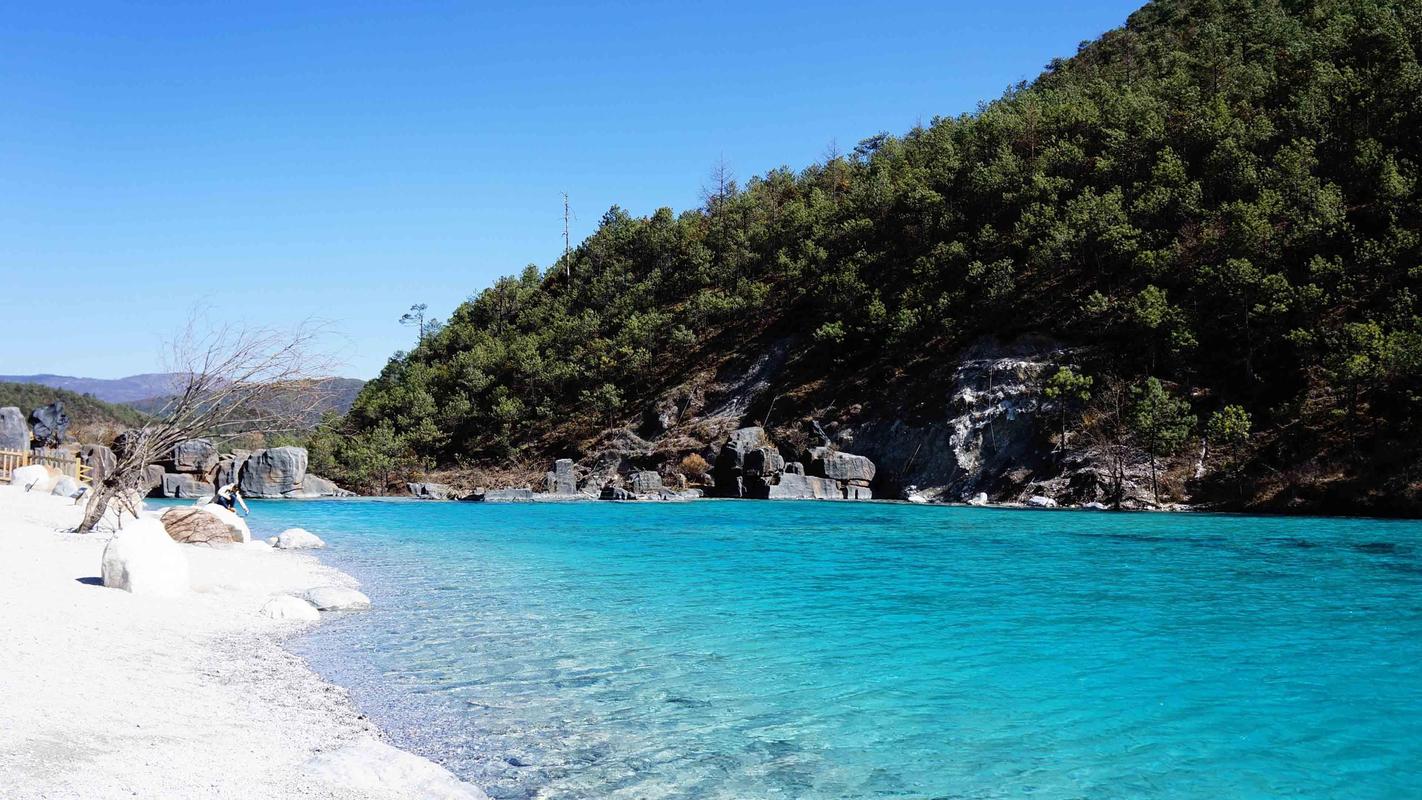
853	491
229	469
34	477
317	486
153	479
14	433
100	460
49	425
298	539
274	472
196	456
185	487
286	606
839	466
763	462
430	491
616	493
1040	501
731	460
804	487
795	468
337	598
143	560
646	482
65	486
979	499
371	768
204	525
565	479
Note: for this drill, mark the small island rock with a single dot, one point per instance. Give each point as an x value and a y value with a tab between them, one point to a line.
298	539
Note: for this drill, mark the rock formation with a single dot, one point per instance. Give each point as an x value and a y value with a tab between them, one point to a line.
142	559
99	459
204	525
14	433
196	456
274	472
49	425
430	491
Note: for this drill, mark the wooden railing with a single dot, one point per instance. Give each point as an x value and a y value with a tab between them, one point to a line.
66	462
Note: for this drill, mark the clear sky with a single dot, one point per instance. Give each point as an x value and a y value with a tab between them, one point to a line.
274	161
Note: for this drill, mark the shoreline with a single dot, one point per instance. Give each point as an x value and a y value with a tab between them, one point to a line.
110	694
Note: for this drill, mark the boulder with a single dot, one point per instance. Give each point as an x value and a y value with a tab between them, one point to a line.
731	461
565	479
206	524
153	480
298	539
1041	501
430	491
1095	506
143	560
100	460
274	472
66	486
196	456
14	433
49	425
317	486
337	598
803	487
285	606
34	477
763	462
979	499
853	491
646	482
185	487
839	466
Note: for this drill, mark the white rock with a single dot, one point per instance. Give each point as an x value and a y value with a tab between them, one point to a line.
1040	501
65	487
297	539
287	607
979	499
143	559
272	540
374	768
1094	506
37	477
337	598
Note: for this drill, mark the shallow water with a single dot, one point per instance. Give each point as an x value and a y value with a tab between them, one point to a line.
832	650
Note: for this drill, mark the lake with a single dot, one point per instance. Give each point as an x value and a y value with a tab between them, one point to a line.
741	649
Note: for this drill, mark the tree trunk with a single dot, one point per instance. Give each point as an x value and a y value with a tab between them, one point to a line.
94	511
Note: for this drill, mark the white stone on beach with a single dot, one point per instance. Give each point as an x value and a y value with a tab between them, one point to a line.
337	598
374	767
36	477
1040	501
297	539
142	559
979	499
65	486
286	606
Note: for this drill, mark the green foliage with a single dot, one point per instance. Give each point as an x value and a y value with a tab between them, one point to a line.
1068	390
1223	193
1229	427
1160	422
90	419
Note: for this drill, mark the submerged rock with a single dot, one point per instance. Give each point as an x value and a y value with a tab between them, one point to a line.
142	559
288	607
297	539
337	598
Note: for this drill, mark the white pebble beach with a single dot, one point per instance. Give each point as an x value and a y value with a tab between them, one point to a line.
105	694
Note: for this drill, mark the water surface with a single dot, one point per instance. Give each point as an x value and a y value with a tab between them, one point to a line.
745	650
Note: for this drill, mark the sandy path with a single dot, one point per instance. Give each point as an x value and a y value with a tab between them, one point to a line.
106	694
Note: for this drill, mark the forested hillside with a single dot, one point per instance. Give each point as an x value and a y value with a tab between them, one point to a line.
1222	195
90	420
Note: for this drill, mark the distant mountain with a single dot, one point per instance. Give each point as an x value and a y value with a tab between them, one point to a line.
110	390
149	392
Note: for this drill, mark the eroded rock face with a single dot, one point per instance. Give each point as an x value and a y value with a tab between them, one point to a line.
646	482
153	480
197	456
430	491
14	433
731	460
317	486
827	463
274	472
565	479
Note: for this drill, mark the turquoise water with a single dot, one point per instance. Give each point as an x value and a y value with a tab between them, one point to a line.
821	650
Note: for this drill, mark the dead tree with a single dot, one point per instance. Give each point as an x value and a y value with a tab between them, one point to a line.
231	381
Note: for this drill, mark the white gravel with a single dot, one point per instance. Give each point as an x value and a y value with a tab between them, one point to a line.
104	694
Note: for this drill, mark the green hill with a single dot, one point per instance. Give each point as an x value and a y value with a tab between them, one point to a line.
90	420
1221	194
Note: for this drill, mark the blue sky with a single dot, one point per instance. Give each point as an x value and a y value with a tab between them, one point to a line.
272	162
